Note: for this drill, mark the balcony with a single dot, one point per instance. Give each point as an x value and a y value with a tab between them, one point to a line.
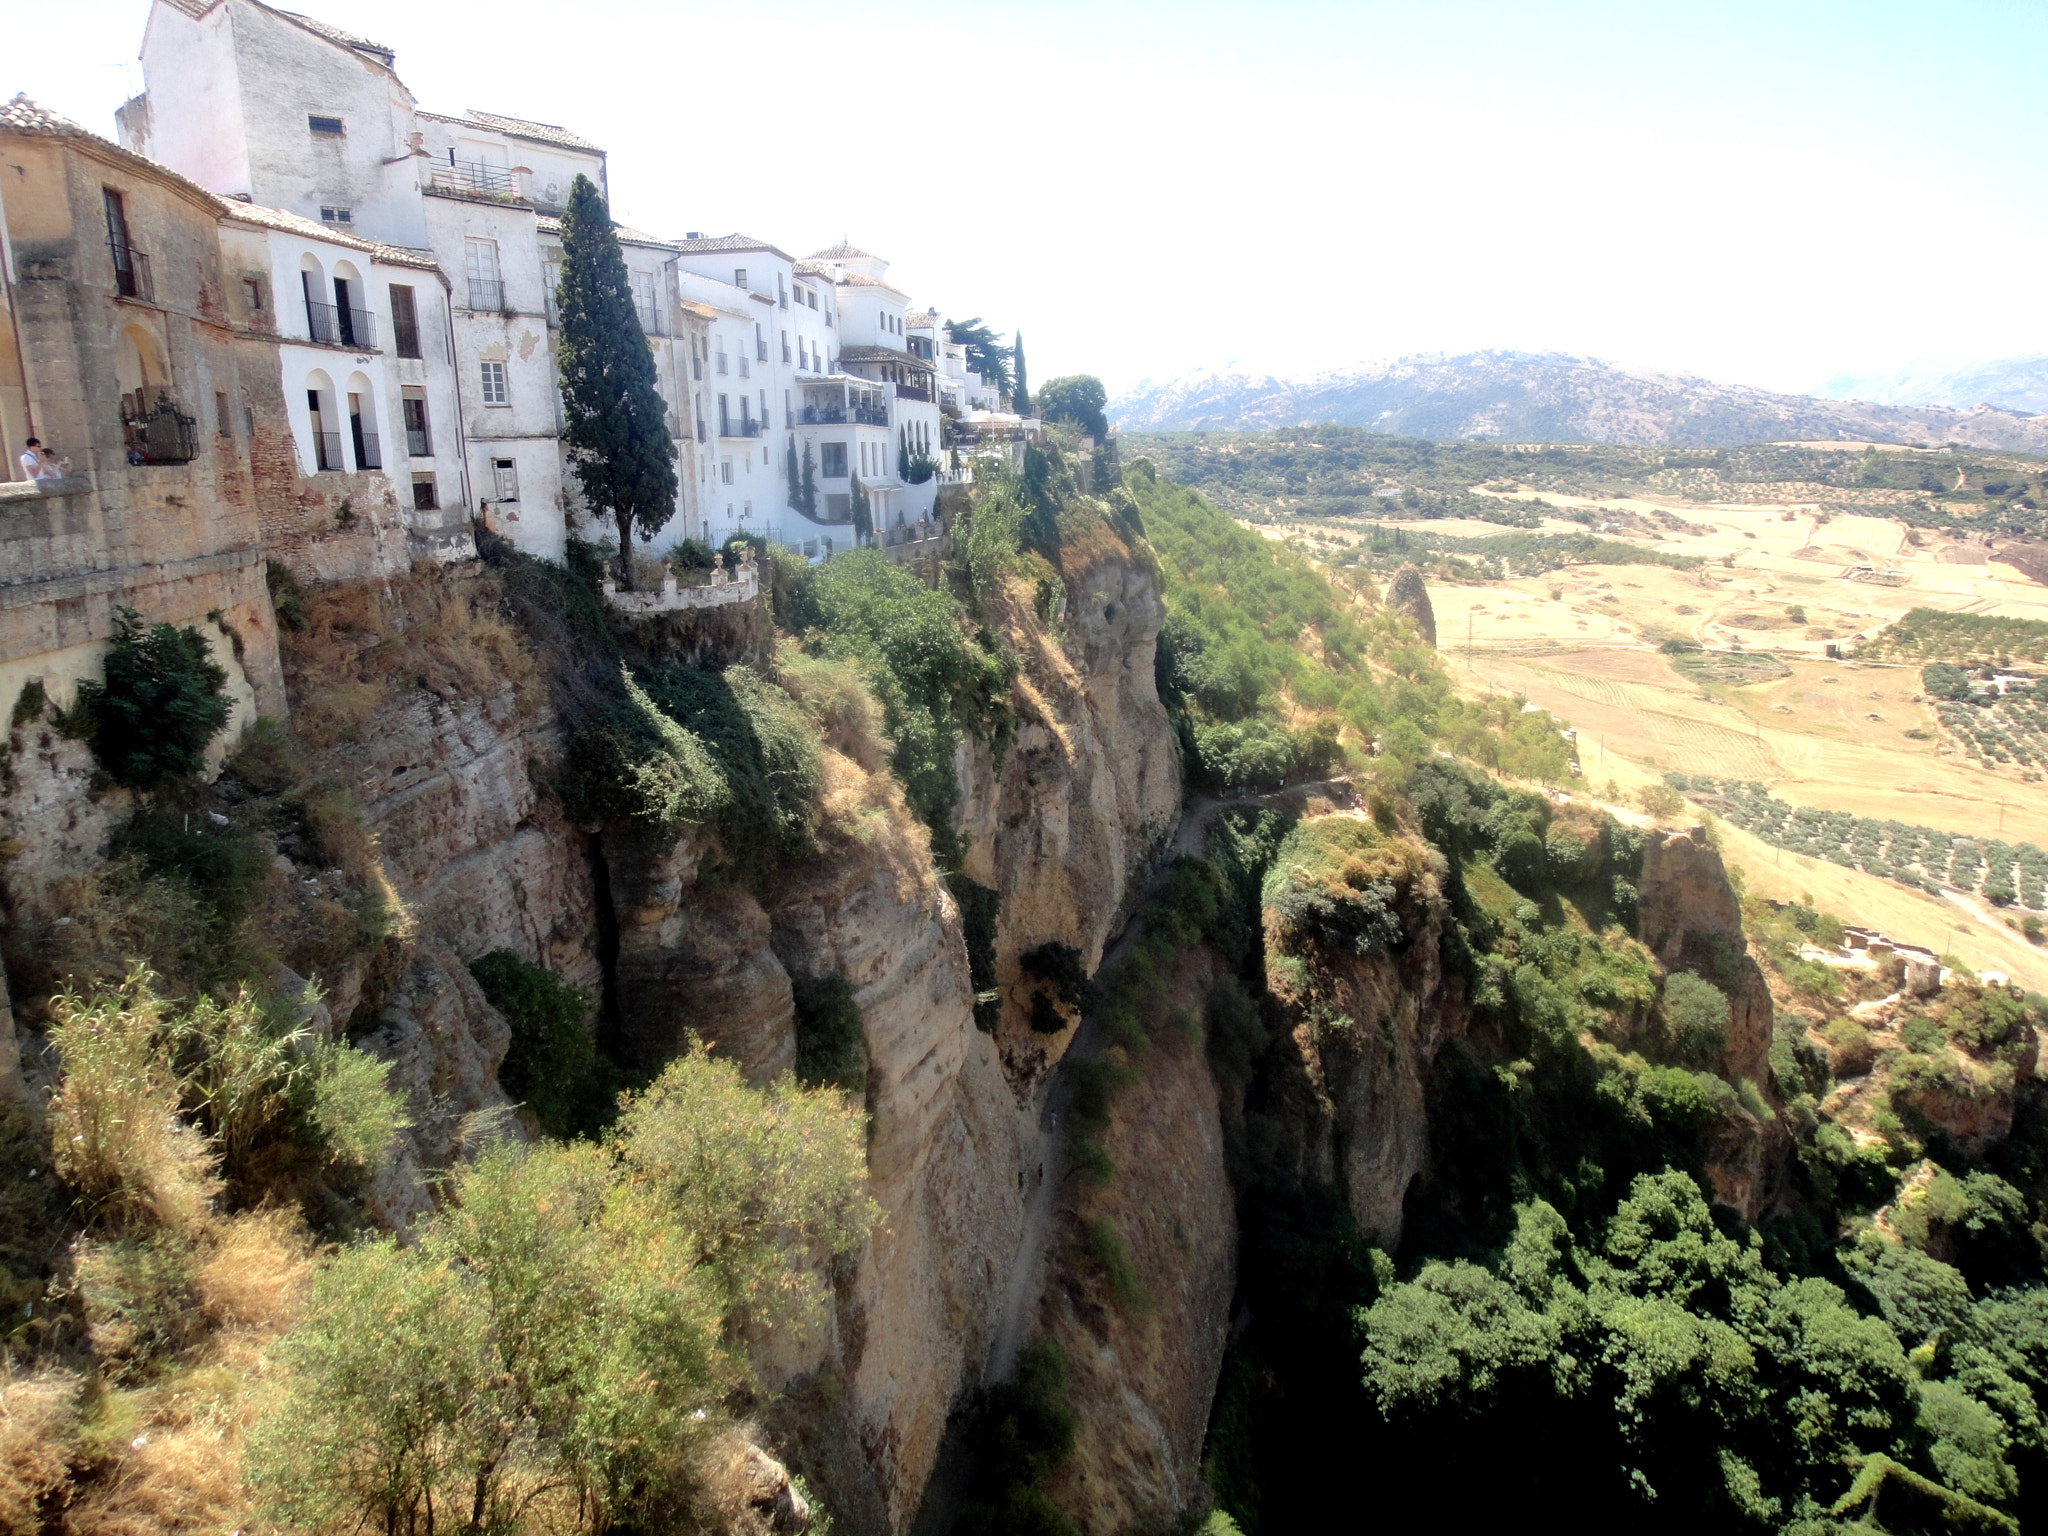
341	326
650	320
369	453
472	178
839	415
914	392
487	293
327	451
162	435
132	279
746	426
417	444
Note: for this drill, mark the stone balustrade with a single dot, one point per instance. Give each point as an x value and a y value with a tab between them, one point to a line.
739	585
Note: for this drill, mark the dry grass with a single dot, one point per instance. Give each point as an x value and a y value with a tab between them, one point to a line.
256	1275
365	645
38	1436
115	1132
837	701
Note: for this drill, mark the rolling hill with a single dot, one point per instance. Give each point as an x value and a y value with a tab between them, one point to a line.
1553	397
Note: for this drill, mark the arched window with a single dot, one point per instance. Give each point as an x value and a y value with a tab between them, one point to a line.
139	370
365	451
353	324
323	420
320	322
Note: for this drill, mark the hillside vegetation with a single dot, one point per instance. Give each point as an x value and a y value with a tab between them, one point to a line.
1332	471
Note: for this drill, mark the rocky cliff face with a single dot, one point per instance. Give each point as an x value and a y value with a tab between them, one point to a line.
1143	1366
1347	1095
1690	919
1064	822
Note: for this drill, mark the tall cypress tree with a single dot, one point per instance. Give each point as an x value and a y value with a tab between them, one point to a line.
1020	394
796	485
809	504
613	418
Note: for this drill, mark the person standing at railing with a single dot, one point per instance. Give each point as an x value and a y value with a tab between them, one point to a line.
39	465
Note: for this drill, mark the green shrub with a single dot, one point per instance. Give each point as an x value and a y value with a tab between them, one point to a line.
1112	1257
831	1038
552	1065
1695	1019
1023	1431
767	749
162	700
1236	1033
635	764
351	1105
287	600
1045	1017
1059	966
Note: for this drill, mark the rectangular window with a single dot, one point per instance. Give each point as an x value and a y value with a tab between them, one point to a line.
480	265
744	371
337	215
721	357
424	497
643	301
131	267
696	361
781	293
506	473
760	343
252	294
725	470
785	347
405	322
724	416
221	416
811	298
495	392
330	127
419	442
739	278
832	460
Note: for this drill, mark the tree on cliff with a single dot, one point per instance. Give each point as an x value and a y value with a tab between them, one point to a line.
1020	390
613	418
984	351
1079	399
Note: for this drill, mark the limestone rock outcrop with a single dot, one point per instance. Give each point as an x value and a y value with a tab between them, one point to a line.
1063	824
1141	1376
1406	594
1349	1103
1690	919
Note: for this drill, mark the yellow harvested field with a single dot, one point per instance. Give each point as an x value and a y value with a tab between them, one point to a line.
1942	926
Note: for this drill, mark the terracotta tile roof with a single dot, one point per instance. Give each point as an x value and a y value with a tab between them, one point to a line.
333	34
812	269
291	223
699	244
855	280
921	320
193	8
841	252
526	128
551	224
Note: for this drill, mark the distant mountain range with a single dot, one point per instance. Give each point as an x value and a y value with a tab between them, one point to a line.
1554	397
2009	384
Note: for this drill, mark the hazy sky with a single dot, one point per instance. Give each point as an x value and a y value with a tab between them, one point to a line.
1766	193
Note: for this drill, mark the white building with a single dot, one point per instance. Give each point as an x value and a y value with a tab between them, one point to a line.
366	358
762	359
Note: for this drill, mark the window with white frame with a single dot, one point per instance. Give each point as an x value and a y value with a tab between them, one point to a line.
495	390
505	475
725	470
